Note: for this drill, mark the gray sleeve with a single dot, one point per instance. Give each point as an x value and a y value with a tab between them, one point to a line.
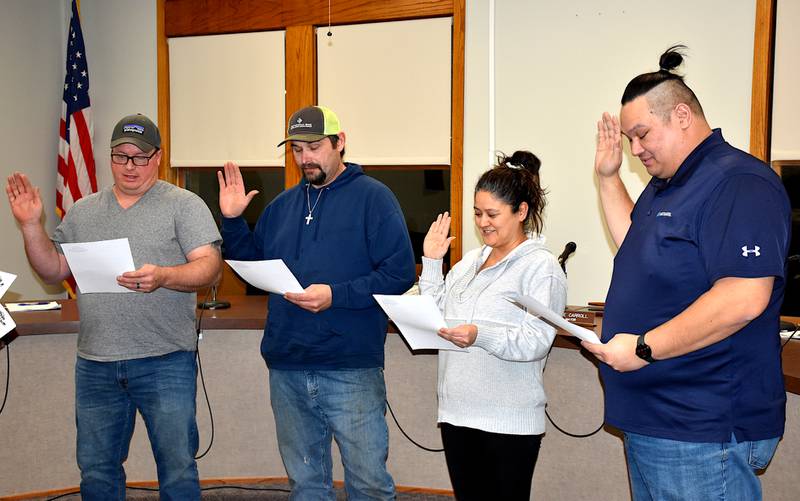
64	232
194	224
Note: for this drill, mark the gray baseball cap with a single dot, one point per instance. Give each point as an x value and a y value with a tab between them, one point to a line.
137	130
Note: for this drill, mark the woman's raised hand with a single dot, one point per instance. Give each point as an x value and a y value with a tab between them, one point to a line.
436	241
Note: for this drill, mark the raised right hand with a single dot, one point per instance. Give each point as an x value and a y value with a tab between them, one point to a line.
232	199
608	157
436	241
24	198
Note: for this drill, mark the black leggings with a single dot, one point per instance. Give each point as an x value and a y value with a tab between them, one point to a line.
486	466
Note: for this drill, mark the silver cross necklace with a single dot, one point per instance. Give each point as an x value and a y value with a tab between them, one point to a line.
309	217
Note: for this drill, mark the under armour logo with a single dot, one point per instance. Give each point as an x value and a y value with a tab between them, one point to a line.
756	250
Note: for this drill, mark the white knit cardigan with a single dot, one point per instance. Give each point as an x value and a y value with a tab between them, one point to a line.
496	385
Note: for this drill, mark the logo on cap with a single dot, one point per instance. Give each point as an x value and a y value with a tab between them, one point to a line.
138	129
300	125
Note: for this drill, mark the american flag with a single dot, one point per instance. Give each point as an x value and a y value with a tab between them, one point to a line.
76	171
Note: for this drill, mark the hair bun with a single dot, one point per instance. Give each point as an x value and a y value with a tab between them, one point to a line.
523	159
671	58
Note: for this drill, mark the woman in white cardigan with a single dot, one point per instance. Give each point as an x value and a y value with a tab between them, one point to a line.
491	397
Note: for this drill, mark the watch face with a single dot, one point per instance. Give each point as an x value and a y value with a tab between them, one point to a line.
643	350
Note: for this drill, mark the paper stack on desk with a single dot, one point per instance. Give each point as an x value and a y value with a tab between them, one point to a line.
33	306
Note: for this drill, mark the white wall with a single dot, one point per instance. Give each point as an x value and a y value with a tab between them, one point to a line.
559	65
786	99
32	37
120	40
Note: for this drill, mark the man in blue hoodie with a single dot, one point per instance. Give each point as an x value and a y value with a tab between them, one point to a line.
344	237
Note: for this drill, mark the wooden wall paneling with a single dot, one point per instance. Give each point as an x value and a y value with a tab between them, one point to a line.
301	82
162	68
207	17
457	131
360	11
763	71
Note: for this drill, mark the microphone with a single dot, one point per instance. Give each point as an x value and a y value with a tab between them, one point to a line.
214	304
568	250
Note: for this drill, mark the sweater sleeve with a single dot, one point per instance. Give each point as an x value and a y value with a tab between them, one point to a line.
239	242
431	281
393	269
531	339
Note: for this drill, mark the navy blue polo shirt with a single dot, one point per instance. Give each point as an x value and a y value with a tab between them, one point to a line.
723	214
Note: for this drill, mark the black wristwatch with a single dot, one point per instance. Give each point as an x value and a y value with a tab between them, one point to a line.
643	350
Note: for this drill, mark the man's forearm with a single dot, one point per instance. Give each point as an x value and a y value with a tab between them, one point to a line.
617	206
723	310
42	254
197	274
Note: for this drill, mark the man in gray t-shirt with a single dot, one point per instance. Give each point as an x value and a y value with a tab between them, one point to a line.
136	351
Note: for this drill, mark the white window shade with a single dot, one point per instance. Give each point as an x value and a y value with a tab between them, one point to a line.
227	99
389	83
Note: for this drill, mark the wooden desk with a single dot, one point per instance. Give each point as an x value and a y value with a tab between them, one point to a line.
246	312
250	312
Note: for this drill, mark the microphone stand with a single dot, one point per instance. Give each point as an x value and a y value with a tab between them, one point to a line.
213	304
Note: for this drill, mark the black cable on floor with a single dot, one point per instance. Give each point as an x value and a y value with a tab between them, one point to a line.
406	434
202	377
573	435
203	489
8	377
565	432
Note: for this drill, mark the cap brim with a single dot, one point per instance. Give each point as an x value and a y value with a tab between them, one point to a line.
305	138
142	145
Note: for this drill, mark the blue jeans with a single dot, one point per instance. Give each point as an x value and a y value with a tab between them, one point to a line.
664	470
313	407
107	396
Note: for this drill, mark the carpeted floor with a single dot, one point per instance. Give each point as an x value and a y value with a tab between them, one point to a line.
261	492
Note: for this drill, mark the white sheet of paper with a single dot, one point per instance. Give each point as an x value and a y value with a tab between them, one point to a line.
536	308
6	322
418	319
6	279
96	265
271	275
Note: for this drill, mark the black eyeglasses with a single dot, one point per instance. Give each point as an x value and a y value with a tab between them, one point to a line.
139	161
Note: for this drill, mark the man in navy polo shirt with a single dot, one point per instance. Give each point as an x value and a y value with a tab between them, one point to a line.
691	354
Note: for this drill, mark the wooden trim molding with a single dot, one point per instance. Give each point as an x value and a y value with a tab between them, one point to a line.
212	17
301	83
779	165
763	71
162	53
457	131
299	18
217	482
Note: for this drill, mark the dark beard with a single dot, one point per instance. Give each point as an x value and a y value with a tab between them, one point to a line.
315	178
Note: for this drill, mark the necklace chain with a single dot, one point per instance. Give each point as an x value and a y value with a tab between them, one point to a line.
309	217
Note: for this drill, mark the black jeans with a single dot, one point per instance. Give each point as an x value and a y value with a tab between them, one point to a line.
485	466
